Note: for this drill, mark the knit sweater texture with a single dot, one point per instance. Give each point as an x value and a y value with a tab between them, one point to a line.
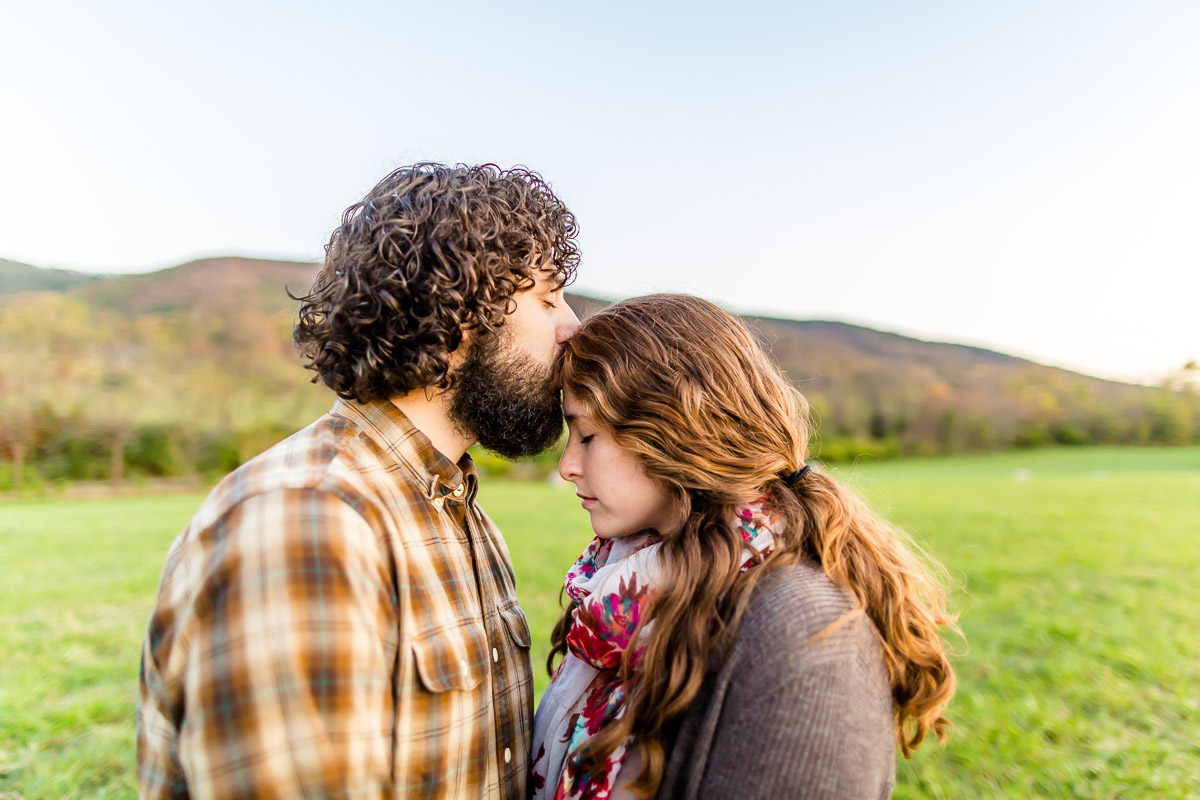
795	711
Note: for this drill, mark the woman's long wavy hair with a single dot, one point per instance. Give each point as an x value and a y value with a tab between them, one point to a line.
685	387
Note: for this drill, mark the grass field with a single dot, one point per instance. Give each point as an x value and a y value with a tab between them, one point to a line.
1076	580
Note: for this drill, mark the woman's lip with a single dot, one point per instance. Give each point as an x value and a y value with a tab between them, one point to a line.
585	501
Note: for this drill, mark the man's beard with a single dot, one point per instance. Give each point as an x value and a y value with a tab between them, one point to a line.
504	398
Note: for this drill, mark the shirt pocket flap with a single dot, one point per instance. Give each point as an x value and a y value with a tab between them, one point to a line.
518	626
452	658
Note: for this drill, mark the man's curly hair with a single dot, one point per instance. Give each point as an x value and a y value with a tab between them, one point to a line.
430	252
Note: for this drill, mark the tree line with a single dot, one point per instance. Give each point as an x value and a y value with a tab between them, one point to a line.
91	393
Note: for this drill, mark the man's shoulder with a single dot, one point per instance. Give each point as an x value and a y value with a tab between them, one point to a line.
331	457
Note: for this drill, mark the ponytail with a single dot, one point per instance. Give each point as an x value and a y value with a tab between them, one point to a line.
874	562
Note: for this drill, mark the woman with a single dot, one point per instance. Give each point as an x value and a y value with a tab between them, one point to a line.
742	625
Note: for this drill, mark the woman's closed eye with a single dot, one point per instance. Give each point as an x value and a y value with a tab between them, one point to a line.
586	439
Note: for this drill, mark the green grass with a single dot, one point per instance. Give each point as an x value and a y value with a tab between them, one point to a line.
1077	589
79	580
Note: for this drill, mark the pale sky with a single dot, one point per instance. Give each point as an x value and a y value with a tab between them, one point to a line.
1023	176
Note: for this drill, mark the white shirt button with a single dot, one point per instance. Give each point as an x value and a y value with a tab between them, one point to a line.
507	755
462	663
438	502
462	487
495	655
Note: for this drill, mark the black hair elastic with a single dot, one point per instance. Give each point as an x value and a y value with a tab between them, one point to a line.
794	478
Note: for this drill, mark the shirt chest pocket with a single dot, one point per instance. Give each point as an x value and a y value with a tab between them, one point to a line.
450	658
516	625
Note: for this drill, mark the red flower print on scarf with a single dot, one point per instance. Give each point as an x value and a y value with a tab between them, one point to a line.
602	628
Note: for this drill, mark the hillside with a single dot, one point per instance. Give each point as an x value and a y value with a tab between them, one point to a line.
812	351
197	361
839	351
17	277
213	285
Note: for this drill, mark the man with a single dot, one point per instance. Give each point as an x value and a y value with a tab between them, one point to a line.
340	618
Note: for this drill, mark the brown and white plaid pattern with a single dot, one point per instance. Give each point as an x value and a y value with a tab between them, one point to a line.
339	619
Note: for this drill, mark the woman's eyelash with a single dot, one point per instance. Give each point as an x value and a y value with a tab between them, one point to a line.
586	439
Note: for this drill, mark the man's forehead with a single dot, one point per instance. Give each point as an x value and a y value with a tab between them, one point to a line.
548	278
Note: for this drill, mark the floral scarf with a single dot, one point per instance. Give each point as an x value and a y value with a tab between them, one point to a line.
611	586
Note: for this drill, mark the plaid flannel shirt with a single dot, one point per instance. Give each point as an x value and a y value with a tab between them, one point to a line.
339	619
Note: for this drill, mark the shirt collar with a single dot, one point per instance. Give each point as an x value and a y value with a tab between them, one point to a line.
395	434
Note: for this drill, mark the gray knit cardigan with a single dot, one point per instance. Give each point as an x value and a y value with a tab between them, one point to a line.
790	714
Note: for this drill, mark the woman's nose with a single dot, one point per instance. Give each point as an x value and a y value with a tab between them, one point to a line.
568	466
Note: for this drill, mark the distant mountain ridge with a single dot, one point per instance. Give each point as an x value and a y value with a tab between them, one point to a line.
233	283
192	329
228	283
17	277
215	285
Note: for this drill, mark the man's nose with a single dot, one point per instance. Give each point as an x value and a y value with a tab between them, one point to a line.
567	325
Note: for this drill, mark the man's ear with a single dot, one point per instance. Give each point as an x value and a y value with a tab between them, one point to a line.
459	354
